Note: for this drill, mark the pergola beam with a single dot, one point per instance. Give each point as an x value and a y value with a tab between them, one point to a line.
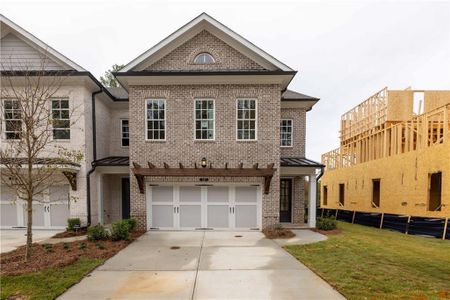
182	171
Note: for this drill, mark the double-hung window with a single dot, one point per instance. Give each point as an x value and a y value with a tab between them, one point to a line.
61	119
13	119
124	133
246	119
204	119
156	119
286	133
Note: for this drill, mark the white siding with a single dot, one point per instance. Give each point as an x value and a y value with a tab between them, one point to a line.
17	55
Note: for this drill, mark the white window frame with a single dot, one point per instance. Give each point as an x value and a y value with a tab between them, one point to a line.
146	120
121	132
256	120
51	111
4	121
214	119
292	134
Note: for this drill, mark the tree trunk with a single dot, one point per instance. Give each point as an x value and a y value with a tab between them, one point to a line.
29	226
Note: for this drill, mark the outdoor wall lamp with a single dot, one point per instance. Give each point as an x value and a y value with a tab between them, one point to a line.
204	162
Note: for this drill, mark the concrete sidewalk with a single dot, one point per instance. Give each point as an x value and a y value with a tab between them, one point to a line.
13	238
202	265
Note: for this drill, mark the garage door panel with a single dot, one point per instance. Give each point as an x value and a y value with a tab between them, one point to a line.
162	216
59	213
218	194
8	214
218	216
190	194
246	194
190	216
162	194
246	216
38	215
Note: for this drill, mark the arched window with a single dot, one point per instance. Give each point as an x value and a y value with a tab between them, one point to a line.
204	58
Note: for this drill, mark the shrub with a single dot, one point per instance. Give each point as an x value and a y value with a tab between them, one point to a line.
71	222
120	230
48	247
83	246
100	246
66	246
96	233
328	223
131	224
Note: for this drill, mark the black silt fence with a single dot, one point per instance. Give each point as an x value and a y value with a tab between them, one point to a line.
345	215
395	222
426	226
368	219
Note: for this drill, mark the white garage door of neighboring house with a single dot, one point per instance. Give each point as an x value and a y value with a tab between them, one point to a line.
188	207
51	210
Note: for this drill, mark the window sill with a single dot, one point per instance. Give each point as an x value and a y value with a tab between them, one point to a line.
246	141
155	141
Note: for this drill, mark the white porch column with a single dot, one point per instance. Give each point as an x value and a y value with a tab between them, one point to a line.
312	201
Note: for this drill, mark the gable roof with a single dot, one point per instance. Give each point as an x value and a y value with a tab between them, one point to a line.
205	22
8	26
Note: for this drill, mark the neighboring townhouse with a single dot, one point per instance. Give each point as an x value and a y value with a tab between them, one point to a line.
394	157
21	54
204	134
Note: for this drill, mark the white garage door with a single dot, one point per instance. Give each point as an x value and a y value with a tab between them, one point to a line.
50	210
203	207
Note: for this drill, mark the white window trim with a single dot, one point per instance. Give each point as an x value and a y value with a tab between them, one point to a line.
51	113
204	63
4	120
292	133
121	132
146	121
214	120
256	120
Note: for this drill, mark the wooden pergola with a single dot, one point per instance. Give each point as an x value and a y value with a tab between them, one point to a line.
203	171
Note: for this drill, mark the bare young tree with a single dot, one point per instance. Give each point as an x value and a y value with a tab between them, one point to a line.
31	159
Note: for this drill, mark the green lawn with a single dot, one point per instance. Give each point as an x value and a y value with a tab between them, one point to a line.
47	284
369	263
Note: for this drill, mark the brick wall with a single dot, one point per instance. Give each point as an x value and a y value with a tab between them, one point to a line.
180	145
298	117
226	57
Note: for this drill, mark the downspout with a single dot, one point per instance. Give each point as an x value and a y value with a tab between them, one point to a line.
94	149
322	170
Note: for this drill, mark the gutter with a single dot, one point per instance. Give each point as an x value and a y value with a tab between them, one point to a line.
94	149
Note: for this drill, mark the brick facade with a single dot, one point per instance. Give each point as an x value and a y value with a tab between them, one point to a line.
180	145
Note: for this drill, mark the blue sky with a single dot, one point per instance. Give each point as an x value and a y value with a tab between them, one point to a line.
344	50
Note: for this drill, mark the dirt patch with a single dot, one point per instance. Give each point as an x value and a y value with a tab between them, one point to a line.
328	232
59	255
281	233
65	234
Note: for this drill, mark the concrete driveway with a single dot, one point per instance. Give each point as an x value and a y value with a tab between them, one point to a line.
202	265
13	238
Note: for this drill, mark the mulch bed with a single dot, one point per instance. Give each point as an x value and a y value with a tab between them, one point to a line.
65	234
271	233
59	255
333	231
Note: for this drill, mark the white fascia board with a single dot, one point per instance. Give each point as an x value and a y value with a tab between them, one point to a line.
126	81
40	44
216	24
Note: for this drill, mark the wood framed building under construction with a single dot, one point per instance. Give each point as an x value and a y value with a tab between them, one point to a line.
394	156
